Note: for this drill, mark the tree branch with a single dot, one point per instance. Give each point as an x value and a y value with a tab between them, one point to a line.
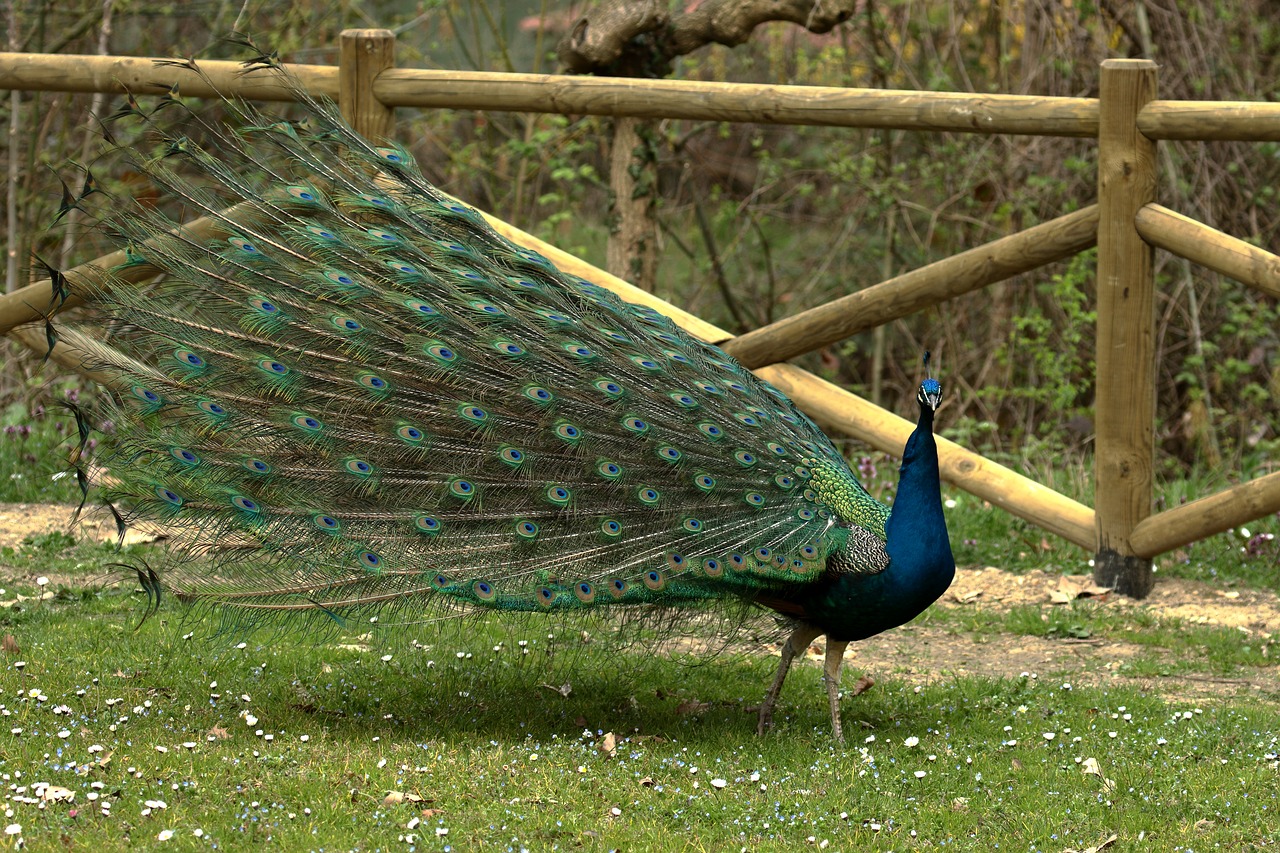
638	38
731	22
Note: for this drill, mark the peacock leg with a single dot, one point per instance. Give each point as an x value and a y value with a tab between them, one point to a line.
799	640
831	675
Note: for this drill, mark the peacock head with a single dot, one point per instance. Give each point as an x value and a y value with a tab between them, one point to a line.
930	394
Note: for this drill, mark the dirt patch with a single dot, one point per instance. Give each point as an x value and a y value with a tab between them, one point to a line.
18	521
923	653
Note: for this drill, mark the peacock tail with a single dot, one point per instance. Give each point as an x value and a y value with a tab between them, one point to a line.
356	398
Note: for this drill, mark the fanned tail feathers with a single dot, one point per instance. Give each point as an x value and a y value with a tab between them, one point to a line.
356	397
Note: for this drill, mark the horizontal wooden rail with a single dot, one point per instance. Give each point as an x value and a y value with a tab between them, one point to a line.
832	406
574	95
1208	246
742	102
689	99
1247	121
945	279
1192	521
68	352
44	72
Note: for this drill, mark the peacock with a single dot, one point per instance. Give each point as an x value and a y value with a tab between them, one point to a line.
350	397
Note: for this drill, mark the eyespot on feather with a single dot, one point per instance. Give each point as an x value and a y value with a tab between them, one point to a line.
326	523
184	456
609	387
428	524
462	489
306	423
411	434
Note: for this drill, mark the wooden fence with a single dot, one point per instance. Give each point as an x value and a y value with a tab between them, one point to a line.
1126	224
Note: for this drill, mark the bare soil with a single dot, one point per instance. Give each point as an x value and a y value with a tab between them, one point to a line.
925	652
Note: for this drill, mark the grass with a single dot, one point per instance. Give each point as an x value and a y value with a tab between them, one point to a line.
299	741
464	738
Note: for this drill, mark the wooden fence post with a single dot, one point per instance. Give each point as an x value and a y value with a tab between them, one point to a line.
1125	400
363	55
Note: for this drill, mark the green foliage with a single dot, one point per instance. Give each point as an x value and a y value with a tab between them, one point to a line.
35	444
1049	349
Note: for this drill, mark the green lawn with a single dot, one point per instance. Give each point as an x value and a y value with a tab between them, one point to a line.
462	738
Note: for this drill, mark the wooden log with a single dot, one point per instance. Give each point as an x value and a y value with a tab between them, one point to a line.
832	406
746	102
547	93
142	75
906	294
363	55
1176	527
65	354
816	105
1125	398
1211	120
1195	241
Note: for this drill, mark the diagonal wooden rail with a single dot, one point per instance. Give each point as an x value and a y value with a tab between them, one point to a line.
1125	224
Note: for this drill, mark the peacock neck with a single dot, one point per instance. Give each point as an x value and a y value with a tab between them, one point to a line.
916	533
856	605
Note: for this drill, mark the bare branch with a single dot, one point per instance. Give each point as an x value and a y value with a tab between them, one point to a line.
600	37
638	38
731	22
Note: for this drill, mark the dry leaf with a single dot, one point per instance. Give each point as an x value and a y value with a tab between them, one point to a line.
1107	843
1016	765
218	732
432	812
646	782
862	685
564	690
960	804
11	645
1091	767
1069	590
57	794
966	597
393	798
608	744
692	706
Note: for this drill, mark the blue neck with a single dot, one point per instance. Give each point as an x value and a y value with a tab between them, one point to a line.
855	606
916	533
